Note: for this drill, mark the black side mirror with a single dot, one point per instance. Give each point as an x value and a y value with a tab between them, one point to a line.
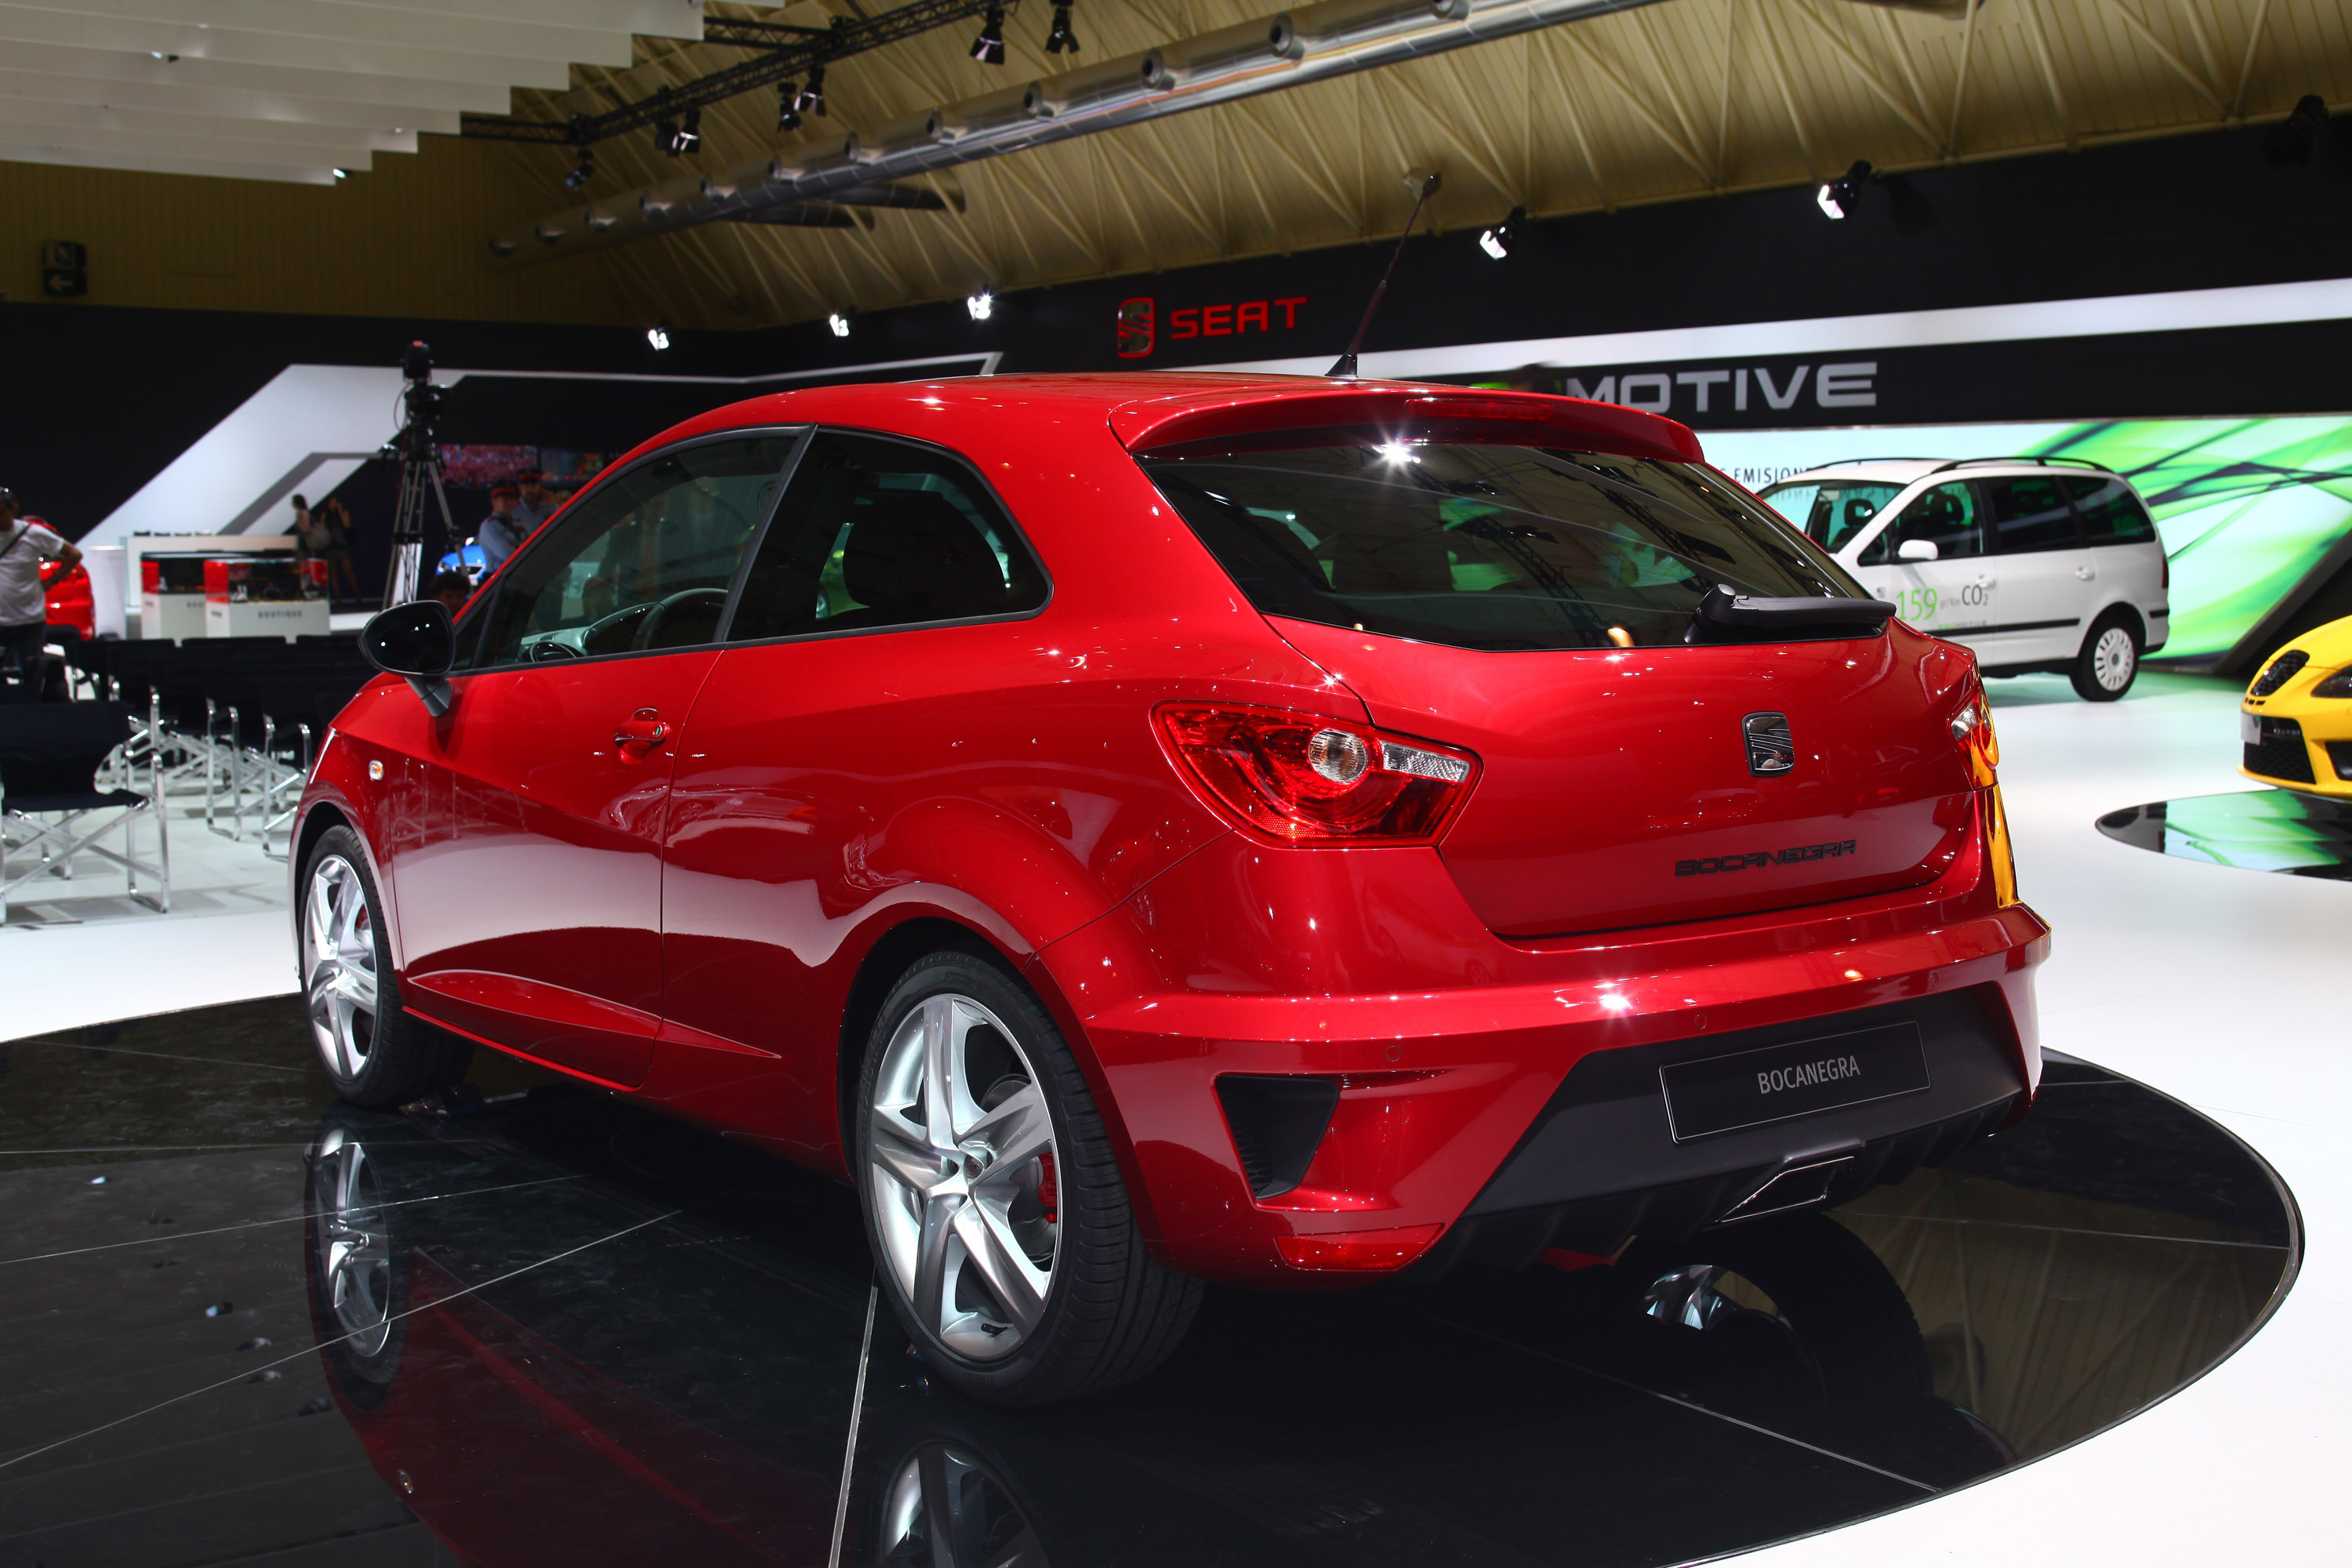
415	641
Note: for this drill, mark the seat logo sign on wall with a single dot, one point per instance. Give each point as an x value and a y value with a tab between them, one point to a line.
1138	322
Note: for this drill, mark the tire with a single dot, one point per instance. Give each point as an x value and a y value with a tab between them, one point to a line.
1004	1239
2109	661
372	1053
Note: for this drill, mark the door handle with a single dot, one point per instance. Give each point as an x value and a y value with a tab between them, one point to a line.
641	734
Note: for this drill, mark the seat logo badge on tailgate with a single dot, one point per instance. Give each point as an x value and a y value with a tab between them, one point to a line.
1770	749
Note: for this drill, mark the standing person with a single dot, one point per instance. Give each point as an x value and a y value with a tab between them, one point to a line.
342	581
502	529
537	504
24	607
302	527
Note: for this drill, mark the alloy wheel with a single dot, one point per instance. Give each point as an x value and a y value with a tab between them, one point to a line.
354	1251
339	966
964	1178
2112	658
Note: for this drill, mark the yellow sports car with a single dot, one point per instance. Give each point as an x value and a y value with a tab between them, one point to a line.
2296	718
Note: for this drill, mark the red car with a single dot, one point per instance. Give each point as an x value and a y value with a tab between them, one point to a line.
1144	830
67	595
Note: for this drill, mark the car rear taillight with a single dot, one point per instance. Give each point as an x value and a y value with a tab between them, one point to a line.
1981	750
1299	778
1972	731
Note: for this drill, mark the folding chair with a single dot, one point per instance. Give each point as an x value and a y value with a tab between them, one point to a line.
49	758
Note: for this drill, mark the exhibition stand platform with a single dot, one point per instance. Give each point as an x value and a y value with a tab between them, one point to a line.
554	1327
528	1324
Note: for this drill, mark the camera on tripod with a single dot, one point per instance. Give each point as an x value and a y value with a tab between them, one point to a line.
421	403
420	476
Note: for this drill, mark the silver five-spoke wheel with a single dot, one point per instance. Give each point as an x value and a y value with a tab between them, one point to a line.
338	975
2113	658
354	1253
964	1177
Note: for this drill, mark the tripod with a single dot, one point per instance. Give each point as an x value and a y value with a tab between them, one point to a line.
420	470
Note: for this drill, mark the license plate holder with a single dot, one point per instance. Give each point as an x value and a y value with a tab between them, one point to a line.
1802	1077
2250	728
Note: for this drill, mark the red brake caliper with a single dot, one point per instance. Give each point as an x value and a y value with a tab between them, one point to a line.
1049	1194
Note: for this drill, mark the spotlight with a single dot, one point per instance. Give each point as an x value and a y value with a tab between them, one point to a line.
1061	39
812	97
665	137
1836	197
981	305
658	336
2292	138
839	323
587	171
989	47
1497	241
788	113
343	173
689	136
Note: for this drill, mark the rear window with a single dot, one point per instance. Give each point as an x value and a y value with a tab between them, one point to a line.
1487	546
1832	512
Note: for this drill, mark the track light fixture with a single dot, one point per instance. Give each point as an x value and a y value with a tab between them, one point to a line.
1836	197
839	322
665	137
584	170
812	97
788	113
1497	241
981	305
689	134
1061	39
2292	138
658	335
989	47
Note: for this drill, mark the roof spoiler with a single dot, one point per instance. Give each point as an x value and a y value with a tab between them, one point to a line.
1197	424
1727	615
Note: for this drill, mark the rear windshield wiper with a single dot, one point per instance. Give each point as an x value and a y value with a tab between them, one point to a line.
1725	615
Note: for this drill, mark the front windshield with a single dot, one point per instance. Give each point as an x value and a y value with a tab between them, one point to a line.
1487	546
1832	513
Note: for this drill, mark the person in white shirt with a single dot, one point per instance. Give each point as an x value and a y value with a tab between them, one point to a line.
24	607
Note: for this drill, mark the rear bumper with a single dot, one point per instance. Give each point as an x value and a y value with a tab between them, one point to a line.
1601	1165
1450	1051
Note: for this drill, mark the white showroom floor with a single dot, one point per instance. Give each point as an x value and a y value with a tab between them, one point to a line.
2223	988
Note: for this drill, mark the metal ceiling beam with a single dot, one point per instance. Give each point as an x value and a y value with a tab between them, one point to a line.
277	31
1288	49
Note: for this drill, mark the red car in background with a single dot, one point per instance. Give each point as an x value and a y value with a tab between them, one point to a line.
1143	830
67	592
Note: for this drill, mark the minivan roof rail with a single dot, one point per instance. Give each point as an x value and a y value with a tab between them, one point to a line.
2039	462
1857	462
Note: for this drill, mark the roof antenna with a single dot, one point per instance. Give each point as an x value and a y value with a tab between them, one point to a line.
1344	367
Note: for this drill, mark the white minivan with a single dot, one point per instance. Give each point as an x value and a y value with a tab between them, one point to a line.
2036	564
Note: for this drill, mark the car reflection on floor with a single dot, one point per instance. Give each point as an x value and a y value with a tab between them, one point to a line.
2256	830
635	1341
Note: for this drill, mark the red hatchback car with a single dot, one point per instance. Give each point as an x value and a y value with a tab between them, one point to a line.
1143	830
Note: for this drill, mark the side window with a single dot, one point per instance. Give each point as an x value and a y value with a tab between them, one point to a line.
881	533
1945	517
2028	513
644	562
2111	513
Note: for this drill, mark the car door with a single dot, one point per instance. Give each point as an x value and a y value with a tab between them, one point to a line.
869	673
535	921
2045	572
1949	588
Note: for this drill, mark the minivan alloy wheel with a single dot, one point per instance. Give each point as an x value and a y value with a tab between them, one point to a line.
964	1177
2113	657
339	977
